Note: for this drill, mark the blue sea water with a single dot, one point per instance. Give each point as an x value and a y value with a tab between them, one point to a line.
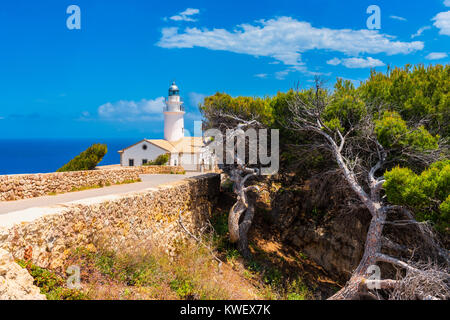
48	155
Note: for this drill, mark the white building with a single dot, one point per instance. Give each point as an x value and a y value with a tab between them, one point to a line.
188	152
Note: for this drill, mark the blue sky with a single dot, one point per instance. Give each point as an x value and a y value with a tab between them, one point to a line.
107	79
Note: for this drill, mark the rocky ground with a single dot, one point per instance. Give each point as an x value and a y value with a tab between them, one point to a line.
15	282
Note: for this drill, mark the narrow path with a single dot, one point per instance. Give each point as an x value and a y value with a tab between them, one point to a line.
148	181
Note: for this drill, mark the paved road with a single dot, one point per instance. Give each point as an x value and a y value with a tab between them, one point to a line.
148	181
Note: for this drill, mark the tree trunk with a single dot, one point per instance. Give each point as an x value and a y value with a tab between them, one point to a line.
244	228
233	220
238	229
371	249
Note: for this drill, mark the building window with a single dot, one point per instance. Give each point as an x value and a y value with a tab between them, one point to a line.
144	147
131	162
144	161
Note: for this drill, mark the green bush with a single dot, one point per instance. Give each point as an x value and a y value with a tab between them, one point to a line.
183	287
51	284
427	193
392	130
87	160
415	92
159	161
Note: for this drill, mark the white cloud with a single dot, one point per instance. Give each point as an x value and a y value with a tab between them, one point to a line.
261	75
436	56
143	110
354	63
196	98
420	31
186	15
281	75
398	18
334	61
442	21
284	39
447	3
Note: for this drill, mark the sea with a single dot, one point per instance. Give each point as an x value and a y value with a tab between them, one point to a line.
19	156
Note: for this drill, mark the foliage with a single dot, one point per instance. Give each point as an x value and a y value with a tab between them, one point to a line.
409	108
87	160
346	108
428	193
445	208
148	272
297	290
183	288
392	131
240	106
160	160
51	284
414	92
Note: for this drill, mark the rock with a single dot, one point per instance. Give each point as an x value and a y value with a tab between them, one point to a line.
15	282
319	228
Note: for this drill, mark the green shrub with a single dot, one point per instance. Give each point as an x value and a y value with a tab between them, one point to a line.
392	131
183	287
427	193
87	160
297	290
51	284
161	160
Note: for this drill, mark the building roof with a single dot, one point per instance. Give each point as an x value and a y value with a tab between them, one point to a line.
184	145
163	144
188	144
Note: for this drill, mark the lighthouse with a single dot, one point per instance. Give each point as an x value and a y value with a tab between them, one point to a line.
173	115
187	152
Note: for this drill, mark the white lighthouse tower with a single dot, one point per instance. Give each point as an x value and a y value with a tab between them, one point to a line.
173	115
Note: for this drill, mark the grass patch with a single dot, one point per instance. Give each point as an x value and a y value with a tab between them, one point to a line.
177	172
147	272
97	186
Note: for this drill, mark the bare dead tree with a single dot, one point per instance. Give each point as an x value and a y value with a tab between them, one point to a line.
359	157
431	283
240	172
241	214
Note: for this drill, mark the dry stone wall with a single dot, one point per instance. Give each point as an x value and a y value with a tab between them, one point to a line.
148	215
22	186
162	170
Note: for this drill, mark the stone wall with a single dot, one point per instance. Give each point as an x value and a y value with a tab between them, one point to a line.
150	214
22	186
162	170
